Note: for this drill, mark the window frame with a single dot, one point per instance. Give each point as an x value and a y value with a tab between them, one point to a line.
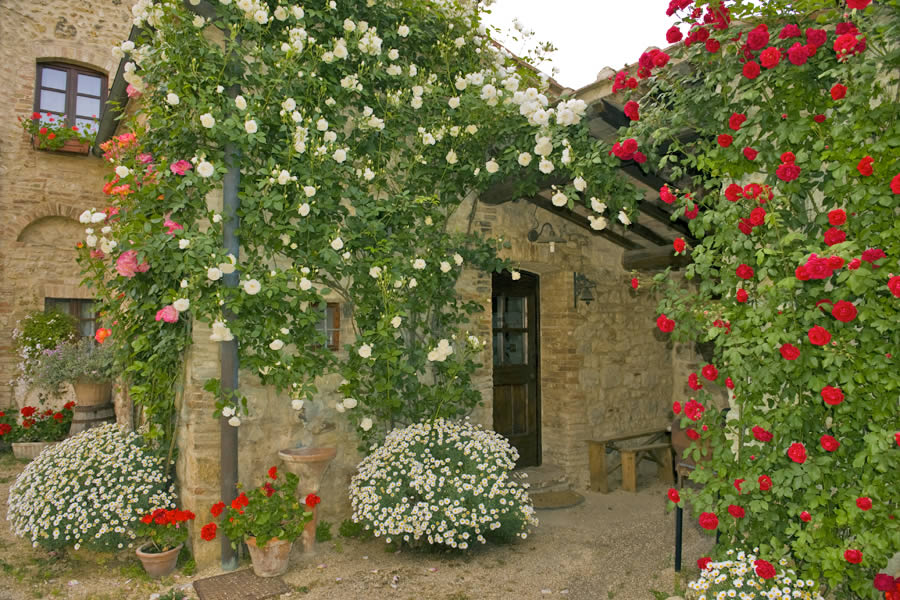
71	91
332	342
74	306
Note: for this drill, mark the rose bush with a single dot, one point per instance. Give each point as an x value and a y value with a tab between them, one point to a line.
806	287
361	128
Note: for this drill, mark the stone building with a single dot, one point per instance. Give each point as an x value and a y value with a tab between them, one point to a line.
575	353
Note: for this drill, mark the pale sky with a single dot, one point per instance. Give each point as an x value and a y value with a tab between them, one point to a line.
590	34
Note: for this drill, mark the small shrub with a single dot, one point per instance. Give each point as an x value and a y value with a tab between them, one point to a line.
88	490
351	529
323	532
442	483
41	331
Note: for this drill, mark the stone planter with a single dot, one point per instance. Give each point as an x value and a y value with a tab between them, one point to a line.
309	465
272	559
29	450
91	393
158	564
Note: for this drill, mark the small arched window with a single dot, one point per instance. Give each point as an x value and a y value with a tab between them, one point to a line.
70	93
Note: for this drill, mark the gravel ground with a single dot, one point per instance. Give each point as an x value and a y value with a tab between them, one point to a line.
616	545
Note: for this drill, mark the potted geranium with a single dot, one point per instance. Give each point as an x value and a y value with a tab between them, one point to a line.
87	365
166	531
268	519
50	132
38	429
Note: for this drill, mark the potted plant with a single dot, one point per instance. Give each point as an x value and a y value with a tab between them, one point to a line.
268	519
38	429
85	364
166	531
39	331
50	132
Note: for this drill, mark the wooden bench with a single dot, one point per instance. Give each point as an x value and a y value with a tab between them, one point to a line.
658	449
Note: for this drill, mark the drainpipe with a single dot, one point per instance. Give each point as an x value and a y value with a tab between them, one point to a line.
228	435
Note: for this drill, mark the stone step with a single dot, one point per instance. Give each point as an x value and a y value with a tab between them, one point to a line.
545	478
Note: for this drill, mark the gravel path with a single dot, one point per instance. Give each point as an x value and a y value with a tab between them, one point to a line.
616	545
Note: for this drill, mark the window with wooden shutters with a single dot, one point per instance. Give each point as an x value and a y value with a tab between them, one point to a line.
71	94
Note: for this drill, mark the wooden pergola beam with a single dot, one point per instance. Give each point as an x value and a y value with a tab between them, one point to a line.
654	259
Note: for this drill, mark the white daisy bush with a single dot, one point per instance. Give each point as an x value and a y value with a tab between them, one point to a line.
442	483
88	490
744	576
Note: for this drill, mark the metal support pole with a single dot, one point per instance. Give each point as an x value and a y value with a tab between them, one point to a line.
228	444
679	513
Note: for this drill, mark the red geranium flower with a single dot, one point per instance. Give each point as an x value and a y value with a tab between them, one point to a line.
797	453
674	496
217	509
844	311
736	511
28	411
678	244
853	556
829	443
819	336
273	473
208	532
765	483
147	519
864	503
764	570
312	500
865	166
708	520
761	434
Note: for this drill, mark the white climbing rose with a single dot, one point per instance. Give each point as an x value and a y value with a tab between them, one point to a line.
365	351
276	344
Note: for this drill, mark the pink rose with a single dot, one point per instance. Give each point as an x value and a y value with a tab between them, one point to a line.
172	226
127	264
132	91
167	314
181	167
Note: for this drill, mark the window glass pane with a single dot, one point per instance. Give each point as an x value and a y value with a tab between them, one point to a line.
87	107
86	309
53	101
514	315
497	346
88	84
87	125
496	321
514	348
53	78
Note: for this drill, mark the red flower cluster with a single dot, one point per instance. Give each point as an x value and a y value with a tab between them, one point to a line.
834	236
870	255
818	267
650	60
702	563
161	516
622	81
678	245
694	382
761	434
631	110
666	195
693	410
787	170
208	532
240	502
312	500
628	150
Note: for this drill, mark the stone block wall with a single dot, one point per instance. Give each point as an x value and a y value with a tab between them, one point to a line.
42	193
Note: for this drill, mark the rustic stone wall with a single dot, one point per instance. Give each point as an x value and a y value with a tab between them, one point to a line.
42	193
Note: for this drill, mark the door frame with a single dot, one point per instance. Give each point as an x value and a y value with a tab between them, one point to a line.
504	279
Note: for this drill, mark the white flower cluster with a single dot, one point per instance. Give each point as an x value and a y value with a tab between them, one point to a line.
737	578
442	482
91	239
441	352
88	491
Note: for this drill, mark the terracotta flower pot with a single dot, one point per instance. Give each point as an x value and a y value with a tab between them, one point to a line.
158	564
29	450
272	559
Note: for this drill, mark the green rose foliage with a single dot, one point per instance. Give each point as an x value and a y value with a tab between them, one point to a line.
820	225
359	130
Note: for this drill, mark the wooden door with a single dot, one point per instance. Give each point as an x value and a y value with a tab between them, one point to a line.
514	315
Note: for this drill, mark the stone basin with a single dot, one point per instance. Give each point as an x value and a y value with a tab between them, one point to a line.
308	464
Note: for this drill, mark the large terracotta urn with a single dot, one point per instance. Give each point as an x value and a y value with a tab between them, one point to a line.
309	465
270	560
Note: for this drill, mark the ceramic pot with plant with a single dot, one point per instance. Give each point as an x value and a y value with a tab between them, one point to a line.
84	363
166	532
268	518
37	430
